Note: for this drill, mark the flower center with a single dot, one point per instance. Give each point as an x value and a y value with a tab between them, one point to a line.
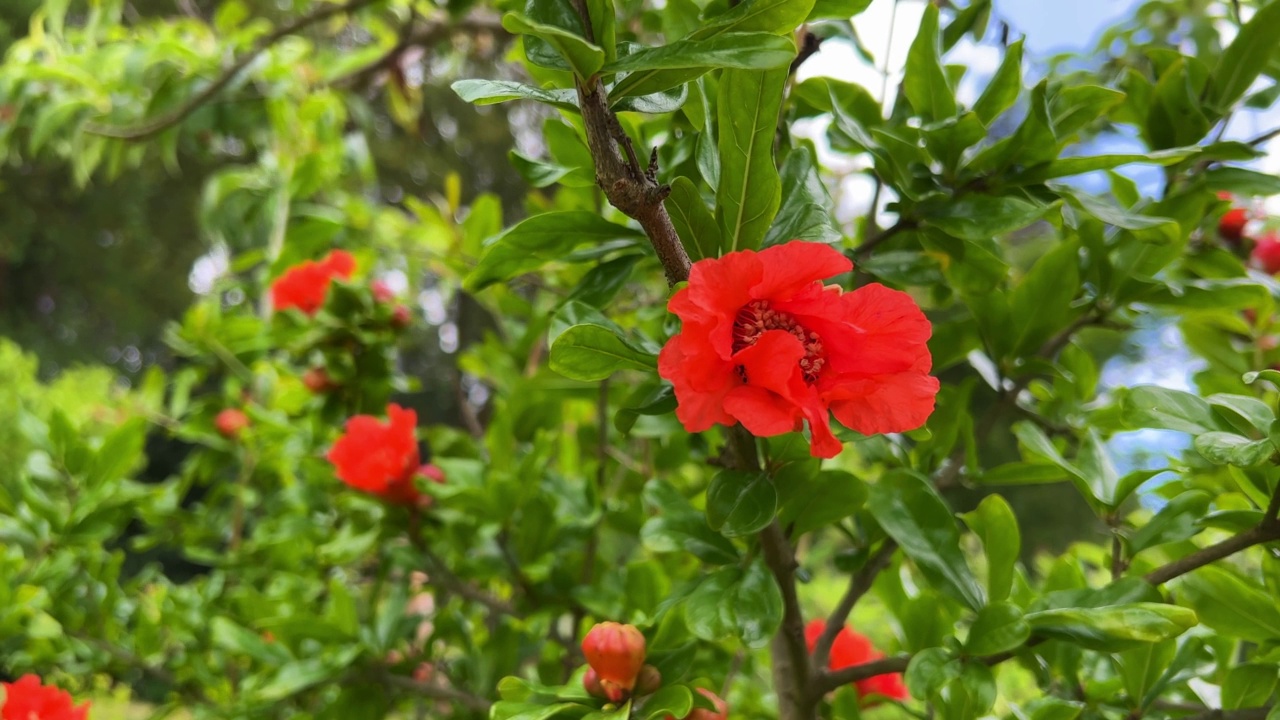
757	317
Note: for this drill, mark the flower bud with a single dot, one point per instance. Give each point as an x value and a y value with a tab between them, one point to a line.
401	317
317	380
230	423
648	681
382	292
591	683
616	652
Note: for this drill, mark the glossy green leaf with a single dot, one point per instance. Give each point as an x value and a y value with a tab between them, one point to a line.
914	515
999	627
749	192
541	239
592	352
1242	181
1003	88
924	83
671	700
740	503
980	217
819	499
930	670
1224	448
489	92
1113	627
1178	520
746	51
993	521
1249	685
1246	56
1230	604
584	58
805	209
693	220
1148	406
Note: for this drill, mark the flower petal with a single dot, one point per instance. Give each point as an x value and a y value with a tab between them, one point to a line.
885	403
700	380
762	411
773	363
796	265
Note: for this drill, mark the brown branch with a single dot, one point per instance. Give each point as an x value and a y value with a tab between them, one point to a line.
1265	531
436	692
788	651
884	235
859	584
180	113
809	46
424	37
632	189
1265	137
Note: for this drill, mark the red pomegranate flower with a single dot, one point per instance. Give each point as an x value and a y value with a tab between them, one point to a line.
766	344
851	649
305	285
380	458
27	699
1266	254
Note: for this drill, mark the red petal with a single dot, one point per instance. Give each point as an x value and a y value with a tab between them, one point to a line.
791	267
885	403
700	381
719	287
889	333
761	411
773	363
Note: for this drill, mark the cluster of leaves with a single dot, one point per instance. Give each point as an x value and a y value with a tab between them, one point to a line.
575	494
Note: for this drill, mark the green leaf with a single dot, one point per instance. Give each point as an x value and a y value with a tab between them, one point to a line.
1249	685
1068	166
489	92
1272	376
1230	605
541	239
930	670
693	220
980	217
1143	666
749	192
585	58
1224	448
1242	181
819	499
1178	520
1176	117
537	173
235	638
603	282
1004	87
999	627
593	352
745	51
804	213
1148	406
1244	412
534	711
837	9
746	603
993	521
673	700
740	503
295	677
914	515
1246	56
924	82
1114	627
1040	303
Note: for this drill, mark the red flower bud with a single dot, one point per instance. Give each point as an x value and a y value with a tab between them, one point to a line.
616	652
1266	254
317	380
720	713
382	292
401	317
648	681
1231	225
230	423
591	683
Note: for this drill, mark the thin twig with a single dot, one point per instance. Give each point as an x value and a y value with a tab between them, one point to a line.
1266	531
180	113
859	584
809	46
883	235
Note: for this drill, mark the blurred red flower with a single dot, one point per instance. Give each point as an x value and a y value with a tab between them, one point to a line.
1266	254
27	699
851	649
765	343
305	285
380	458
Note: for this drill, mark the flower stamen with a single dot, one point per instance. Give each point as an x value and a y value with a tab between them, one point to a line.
758	317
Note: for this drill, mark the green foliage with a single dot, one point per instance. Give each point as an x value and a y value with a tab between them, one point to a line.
573	492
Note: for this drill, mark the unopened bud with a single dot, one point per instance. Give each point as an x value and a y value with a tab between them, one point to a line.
648	681
401	318
382	292
230	423
317	380
591	683
616	652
